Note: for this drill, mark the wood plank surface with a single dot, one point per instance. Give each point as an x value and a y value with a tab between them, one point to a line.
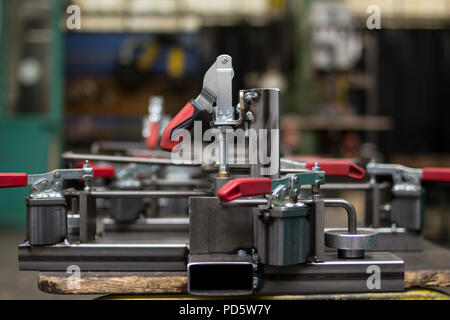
428	268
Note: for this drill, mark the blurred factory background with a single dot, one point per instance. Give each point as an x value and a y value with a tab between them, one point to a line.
347	91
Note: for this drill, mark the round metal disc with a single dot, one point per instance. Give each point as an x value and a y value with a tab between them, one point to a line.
341	239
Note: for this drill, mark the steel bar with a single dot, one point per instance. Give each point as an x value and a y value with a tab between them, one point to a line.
349	186
105	256
124	159
349	208
159	161
335	275
245	203
148	194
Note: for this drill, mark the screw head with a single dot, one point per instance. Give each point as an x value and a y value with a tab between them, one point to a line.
57	174
224	60
249	116
57	185
241	253
34	188
248	97
44	183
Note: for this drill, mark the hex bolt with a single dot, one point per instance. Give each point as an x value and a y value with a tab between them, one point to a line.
241	253
249	116
250	97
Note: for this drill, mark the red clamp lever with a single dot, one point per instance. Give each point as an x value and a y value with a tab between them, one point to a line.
183	120
340	168
153	136
244	187
104	171
8	180
99	171
436	174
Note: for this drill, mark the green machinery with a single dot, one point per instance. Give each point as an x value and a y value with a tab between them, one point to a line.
31	84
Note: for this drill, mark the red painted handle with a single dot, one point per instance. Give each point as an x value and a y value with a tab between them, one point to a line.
183	117
340	168
8	180
99	171
104	171
244	187
153	136
436	174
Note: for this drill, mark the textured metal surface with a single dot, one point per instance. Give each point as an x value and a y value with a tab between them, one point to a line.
318	226
148	194
218	229
125	210
46	221
149	225
335	276
88	217
342	239
407	209
265	108
283	238
398	240
104	257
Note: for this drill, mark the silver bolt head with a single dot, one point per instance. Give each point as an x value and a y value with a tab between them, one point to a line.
241	253
249	116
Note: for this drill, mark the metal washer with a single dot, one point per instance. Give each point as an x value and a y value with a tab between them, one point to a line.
351	245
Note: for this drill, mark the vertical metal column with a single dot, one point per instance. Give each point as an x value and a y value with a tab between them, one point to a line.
318	224
264	106
88	222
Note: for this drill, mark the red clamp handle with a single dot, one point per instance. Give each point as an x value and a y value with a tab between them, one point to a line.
104	171
99	171
244	187
8	180
183	120
340	168
436	174
153	136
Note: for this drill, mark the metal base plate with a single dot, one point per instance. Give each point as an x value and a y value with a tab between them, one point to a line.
399	240
147	252
337	276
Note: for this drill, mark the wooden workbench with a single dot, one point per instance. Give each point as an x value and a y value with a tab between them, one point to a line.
429	268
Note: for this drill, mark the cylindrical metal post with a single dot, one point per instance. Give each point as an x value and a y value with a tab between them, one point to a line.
265	126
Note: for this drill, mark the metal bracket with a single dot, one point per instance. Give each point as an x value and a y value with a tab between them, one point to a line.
49	185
